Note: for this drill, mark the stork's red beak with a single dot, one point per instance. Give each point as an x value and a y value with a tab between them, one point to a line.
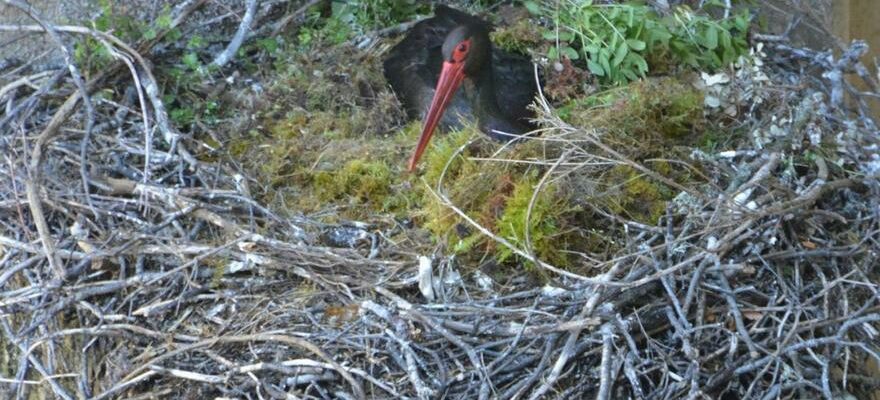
450	79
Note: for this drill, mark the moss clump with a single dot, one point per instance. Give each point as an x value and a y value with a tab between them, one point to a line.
449	158
497	195
319	132
543	216
518	37
237	147
649	111
635	195
358	180
645	122
329	143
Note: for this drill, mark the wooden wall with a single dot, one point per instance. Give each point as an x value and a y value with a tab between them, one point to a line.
860	19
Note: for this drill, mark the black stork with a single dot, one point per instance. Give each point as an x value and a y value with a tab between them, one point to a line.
452	50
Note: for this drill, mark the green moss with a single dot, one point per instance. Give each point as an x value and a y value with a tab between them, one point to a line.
238	147
218	268
635	196
518	37
447	156
464	181
544	217
358	181
647	111
497	196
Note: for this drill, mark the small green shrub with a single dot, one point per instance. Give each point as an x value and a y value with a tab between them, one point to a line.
353	17
112	18
622	42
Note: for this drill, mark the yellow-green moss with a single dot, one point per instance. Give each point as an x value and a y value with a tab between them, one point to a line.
648	111
544	217
323	150
358	181
647	122
464	181
518	37
496	195
635	195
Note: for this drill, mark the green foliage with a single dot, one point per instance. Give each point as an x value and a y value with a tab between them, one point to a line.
375	14
353	17
622	42
184	106
331	30
90	52
94	55
701	42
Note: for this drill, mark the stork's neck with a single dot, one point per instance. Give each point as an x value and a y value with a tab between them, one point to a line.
485	104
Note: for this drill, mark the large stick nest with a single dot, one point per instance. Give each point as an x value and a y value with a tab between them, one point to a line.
129	267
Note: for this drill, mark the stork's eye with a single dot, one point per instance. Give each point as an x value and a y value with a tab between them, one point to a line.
461	51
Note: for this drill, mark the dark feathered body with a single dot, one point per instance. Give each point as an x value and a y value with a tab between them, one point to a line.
497	95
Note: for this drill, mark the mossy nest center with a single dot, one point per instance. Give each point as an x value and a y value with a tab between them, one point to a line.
332	143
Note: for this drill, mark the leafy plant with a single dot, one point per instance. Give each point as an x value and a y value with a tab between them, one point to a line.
352	17
92	53
701	42
622	42
374	14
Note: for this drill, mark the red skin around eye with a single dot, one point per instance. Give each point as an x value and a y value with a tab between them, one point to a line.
460	52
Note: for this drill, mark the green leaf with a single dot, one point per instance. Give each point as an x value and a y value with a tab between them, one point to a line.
173	35
571	53
639	62
725	39
553	53
635	44
191	60
566	36
603	60
164	21
729	56
195	42
741	22
715	60
619	54
595	68
533	7
269	44
711	37
615	12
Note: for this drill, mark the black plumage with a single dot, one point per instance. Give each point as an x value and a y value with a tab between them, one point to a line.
497	88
